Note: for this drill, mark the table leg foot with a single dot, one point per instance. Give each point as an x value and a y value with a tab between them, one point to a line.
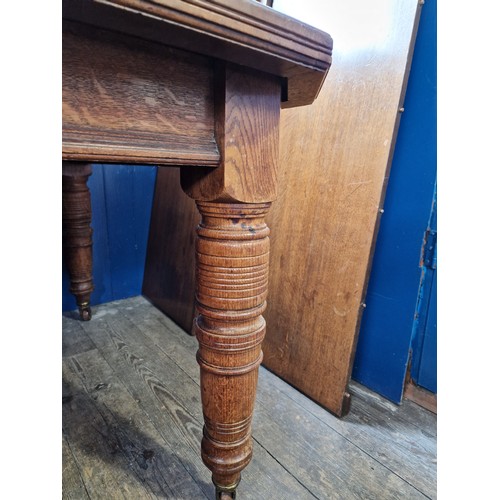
84	311
77	233
232	266
225	492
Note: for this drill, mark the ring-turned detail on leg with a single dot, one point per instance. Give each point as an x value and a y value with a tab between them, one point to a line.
77	233
232	263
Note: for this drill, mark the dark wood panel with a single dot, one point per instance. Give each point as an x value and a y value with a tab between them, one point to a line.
170	260
134	101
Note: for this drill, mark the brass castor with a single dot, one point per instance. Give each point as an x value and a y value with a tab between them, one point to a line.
225	492
85	311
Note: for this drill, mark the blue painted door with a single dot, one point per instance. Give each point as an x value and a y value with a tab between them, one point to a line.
121	198
385	336
424	339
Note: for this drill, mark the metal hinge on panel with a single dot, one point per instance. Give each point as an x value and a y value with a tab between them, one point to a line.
430	249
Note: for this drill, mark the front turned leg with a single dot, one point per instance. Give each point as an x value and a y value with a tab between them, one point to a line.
77	233
232	263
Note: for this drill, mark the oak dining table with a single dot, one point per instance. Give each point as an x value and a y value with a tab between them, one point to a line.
197	85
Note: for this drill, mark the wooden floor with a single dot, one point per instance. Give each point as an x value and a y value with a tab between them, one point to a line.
132	424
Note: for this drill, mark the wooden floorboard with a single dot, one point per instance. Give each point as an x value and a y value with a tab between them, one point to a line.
132	424
73	486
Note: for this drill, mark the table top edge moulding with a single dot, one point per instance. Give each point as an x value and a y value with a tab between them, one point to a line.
240	31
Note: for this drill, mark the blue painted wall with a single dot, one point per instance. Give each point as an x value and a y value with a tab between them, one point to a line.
386	328
121	197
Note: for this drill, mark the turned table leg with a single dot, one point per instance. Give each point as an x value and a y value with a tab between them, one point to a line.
232	262
77	233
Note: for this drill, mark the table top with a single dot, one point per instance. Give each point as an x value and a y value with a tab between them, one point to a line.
238	31
150	82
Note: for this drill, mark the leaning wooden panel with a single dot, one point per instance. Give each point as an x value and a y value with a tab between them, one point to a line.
334	161
170	260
